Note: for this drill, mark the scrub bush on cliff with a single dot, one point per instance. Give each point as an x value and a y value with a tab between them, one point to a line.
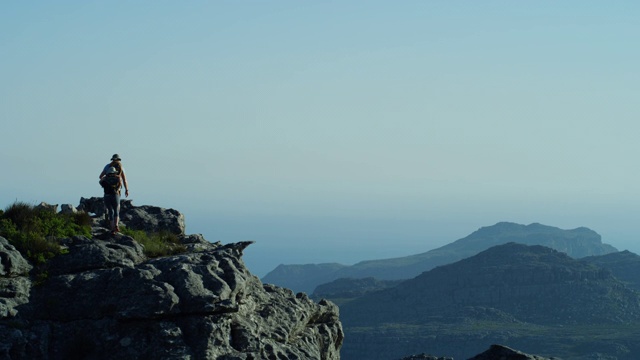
34	230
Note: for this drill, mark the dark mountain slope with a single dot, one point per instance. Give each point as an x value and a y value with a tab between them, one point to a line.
527	283
300	276
532	298
342	290
624	265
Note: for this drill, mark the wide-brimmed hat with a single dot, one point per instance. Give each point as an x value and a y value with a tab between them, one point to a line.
116	157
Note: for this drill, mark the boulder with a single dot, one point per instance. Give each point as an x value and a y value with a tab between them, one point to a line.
92	205
504	353
13	293
11	261
46	206
146	218
425	357
153	219
85	254
68	209
197	243
14	281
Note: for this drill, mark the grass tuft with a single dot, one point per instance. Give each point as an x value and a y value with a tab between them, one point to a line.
157	244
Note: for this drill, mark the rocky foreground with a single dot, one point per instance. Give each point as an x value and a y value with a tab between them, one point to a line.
104	299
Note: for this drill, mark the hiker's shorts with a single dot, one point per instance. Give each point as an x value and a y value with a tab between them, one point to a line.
112	203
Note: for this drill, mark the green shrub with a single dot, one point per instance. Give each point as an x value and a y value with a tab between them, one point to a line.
20	213
34	231
157	244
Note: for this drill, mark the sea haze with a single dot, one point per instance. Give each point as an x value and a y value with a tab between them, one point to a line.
298	240
295	240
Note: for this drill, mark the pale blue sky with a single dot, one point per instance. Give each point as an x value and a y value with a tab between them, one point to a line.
334	130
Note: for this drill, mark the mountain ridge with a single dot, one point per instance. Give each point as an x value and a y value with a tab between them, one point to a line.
530	297
578	242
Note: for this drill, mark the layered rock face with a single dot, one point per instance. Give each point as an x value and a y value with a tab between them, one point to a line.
105	299
14	280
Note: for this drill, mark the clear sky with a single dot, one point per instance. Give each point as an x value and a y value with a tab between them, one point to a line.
330	131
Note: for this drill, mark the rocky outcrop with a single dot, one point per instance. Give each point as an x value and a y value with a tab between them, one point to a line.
12	263
104	299
14	279
147	218
495	352
504	353
425	357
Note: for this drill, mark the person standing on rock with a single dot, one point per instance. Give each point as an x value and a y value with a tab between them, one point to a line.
117	164
111	184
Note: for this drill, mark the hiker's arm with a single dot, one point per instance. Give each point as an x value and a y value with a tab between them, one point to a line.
126	186
102	174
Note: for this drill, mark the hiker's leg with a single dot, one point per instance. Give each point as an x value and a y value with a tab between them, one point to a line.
116	212
111	214
106	217
107	209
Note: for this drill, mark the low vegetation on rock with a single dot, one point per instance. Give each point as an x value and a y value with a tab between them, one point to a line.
156	244
34	230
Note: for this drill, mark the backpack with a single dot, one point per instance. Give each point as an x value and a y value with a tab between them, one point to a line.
111	182
118	166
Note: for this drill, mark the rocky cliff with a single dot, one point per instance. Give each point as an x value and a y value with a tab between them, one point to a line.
104	299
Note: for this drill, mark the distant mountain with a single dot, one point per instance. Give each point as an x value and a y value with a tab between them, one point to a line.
530	297
346	289
301	277
624	265
529	283
576	243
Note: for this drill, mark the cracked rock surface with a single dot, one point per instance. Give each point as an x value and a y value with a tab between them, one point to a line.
104	299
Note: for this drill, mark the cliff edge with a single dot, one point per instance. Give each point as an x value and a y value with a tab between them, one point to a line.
105	299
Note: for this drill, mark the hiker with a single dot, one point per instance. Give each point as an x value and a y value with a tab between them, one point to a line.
116	163
111	184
